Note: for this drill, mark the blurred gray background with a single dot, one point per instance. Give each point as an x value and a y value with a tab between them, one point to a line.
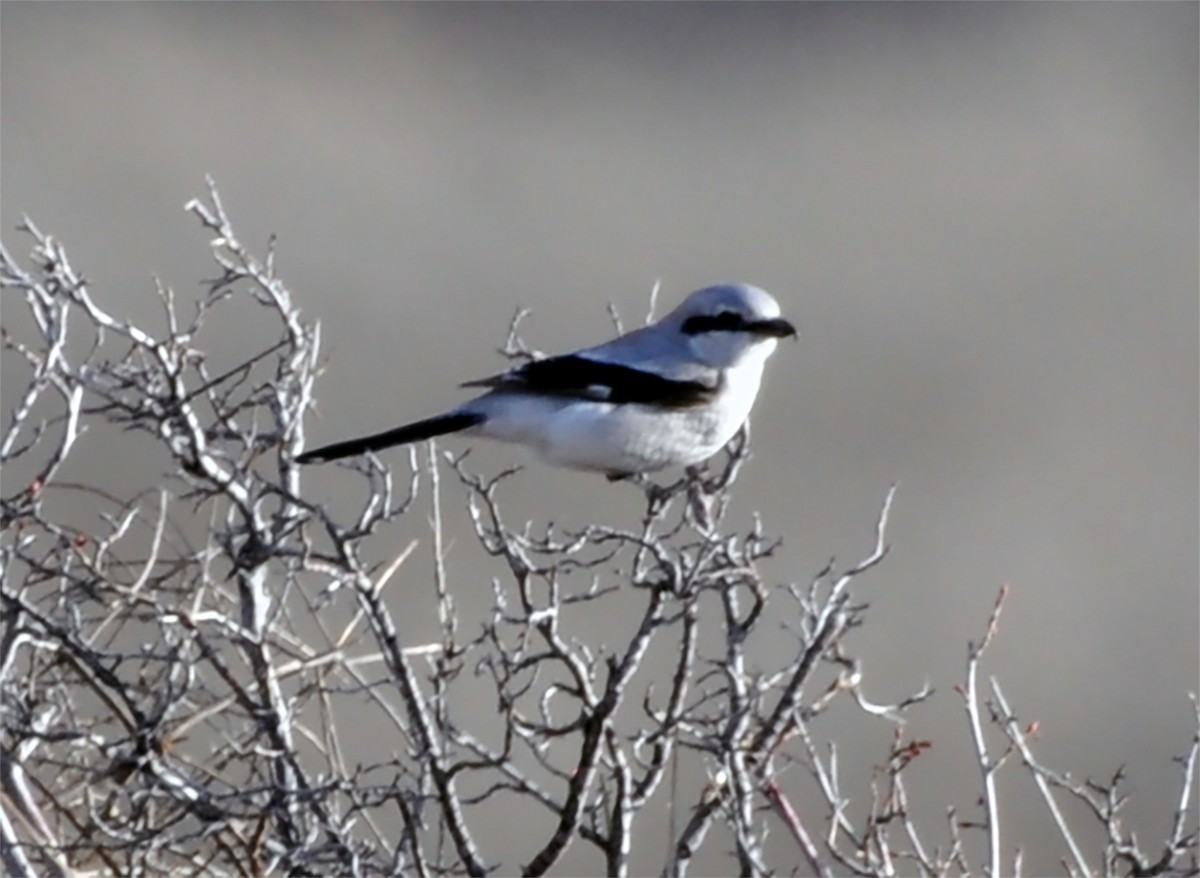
983	218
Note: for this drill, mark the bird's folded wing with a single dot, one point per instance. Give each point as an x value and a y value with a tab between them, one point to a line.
579	377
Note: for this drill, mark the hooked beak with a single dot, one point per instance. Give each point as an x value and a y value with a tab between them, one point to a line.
774	328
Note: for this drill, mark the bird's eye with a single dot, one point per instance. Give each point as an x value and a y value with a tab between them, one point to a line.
725	321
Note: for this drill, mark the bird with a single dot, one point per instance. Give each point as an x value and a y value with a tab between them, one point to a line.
672	393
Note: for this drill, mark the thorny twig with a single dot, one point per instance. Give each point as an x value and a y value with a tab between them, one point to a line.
187	669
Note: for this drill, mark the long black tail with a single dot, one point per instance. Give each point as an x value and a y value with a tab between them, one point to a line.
414	432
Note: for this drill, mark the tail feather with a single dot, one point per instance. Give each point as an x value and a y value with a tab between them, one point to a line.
415	432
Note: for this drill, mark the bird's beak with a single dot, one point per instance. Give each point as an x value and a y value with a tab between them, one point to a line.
775	328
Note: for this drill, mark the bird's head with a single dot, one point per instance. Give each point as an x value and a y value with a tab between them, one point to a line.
728	324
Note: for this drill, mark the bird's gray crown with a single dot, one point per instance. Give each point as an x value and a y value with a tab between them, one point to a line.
730	308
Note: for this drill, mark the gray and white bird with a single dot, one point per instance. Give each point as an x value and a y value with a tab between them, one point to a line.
672	393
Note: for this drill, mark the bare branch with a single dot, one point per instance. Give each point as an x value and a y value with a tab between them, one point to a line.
191	705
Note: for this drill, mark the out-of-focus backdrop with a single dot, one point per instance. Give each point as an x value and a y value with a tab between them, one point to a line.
983	218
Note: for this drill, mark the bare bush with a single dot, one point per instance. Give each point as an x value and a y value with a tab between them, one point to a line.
181	705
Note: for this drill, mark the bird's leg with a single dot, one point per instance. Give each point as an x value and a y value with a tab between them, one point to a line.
700	497
657	496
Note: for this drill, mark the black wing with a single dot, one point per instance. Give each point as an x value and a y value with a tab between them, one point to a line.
578	377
